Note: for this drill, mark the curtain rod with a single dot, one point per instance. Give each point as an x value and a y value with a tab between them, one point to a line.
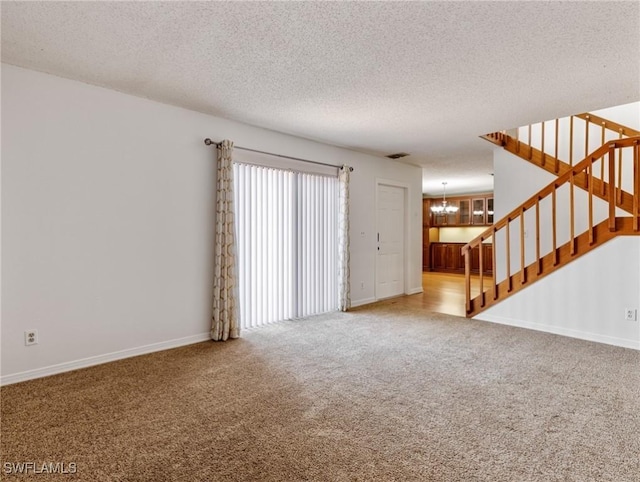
209	142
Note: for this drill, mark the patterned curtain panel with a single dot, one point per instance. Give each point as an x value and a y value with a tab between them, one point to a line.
344	288
225	306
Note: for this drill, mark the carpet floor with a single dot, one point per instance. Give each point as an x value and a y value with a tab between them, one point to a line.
386	393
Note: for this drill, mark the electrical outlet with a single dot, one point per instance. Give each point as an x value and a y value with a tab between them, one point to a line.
630	314
31	337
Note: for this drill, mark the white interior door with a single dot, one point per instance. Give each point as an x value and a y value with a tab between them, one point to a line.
390	254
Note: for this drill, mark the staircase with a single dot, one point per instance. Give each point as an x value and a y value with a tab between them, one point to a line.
588	204
532	147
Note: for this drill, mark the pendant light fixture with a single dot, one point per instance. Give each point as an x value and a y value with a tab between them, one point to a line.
444	208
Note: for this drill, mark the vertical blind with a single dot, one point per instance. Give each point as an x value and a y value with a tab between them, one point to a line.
286	226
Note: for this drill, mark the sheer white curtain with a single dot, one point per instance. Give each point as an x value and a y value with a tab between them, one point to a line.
344	287
225	313
287	225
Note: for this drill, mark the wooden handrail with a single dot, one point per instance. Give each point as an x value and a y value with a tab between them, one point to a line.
584	170
608	124
544	192
591	122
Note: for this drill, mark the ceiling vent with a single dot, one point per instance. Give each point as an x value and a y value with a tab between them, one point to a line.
398	155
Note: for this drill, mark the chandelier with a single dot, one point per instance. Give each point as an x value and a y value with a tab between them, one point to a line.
444	208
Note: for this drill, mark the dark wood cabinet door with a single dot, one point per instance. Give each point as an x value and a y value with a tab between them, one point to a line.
426	258
448	257
475	259
438	256
464	213
478	213
454	257
487	258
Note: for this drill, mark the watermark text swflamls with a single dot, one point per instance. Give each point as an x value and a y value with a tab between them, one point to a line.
39	468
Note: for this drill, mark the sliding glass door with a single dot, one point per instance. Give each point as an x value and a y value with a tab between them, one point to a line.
286	226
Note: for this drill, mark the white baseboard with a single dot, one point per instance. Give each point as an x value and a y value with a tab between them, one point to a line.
99	359
557	330
415	291
361	302
367	301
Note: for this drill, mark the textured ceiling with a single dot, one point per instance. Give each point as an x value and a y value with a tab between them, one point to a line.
381	77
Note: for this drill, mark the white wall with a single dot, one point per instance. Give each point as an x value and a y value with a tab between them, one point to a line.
460	234
585	299
108	215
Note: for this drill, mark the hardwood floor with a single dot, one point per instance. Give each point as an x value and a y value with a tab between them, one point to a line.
443	293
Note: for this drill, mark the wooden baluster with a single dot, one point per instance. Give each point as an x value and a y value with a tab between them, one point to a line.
481	266
572	213
586	136
518	139
590	180
556	168
523	274
636	187
538	260
553	225
620	171
603	184
602	141
493	262
612	192
530	144
508	236
467	278
571	141
543	156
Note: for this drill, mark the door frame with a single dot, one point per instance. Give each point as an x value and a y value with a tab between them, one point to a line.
406	224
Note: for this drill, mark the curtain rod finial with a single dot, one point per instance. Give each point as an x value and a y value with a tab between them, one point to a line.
208	142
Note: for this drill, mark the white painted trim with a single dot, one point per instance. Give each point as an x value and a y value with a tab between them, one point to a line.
415	291
364	301
100	359
556	330
407	231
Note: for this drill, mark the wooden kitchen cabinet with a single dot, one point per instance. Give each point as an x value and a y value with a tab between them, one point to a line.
479	212
447	257
471	211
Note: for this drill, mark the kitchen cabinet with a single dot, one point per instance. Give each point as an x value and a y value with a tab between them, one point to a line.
426	258
479	214
471	211
464	213
447	257
489	210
